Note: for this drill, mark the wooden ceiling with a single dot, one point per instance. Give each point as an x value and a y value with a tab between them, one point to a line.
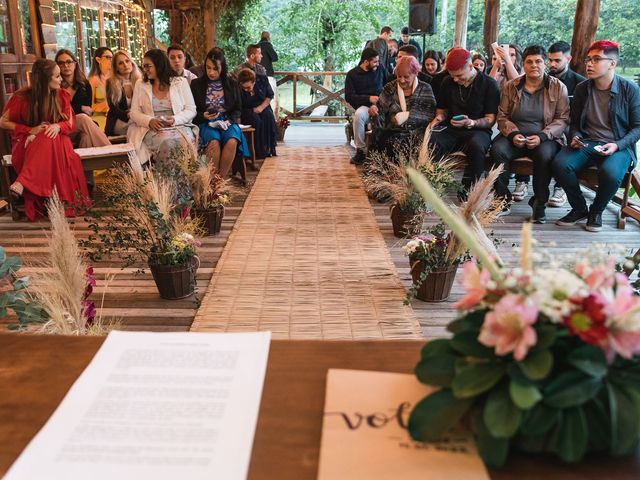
177	4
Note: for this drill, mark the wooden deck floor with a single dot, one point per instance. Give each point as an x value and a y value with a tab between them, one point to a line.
134	298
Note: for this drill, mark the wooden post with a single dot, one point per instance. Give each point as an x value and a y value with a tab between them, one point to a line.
175	26
584	31
462	18
210	24
491	15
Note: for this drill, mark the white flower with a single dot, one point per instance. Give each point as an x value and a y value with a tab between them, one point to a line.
411	247
552	290
186	237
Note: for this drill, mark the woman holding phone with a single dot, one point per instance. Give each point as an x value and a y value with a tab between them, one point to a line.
162	108
218	105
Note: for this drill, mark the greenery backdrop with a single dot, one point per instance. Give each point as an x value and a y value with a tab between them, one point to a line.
329	34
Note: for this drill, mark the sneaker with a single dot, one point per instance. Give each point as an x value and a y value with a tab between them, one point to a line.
558	199
520	191
463	195
594	222
572	218
358	158
506	210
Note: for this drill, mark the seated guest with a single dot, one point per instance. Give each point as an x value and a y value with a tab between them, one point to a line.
40	119
162	108
410	51
217	98
86	132
532	117
100	72
467	108
254	57
431	63
362	87
405	40
506	66
178	61
405	107
559	56
605	126
120	86
256	96
479	62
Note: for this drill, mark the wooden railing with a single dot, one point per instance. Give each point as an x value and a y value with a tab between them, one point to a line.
304	77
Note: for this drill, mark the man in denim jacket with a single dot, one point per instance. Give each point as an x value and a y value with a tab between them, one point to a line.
605	126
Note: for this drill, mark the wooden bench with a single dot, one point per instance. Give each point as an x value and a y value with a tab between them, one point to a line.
96	158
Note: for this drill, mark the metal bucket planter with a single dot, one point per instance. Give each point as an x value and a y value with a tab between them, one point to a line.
175	281
437	286
211	218
405	224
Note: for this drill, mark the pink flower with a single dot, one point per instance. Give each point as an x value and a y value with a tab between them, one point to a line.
509	328
623	321
599	276
475	282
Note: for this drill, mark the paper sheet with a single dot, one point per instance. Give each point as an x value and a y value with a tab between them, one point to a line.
364	434
155	406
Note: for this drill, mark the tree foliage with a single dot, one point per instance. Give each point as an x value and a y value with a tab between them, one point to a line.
323	34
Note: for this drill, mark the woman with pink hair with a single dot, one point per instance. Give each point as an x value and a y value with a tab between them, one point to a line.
405	107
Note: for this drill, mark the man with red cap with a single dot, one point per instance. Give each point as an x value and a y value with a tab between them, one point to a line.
467	107
605	126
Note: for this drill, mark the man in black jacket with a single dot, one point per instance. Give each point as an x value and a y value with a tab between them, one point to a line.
605	126
361	89
559	58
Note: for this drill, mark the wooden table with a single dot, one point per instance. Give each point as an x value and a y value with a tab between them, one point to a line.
37	371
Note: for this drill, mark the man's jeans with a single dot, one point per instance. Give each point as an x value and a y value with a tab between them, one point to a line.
611	171
360	120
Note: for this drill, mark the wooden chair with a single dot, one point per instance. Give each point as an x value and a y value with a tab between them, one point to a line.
96	158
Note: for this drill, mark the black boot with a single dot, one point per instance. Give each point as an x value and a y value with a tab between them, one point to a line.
538	208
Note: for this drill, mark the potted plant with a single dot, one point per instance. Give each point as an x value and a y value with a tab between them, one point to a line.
435	257
143	223
209	196
431	269
282	124
385	178
542	359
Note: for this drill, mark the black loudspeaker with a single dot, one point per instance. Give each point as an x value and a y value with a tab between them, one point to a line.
422	16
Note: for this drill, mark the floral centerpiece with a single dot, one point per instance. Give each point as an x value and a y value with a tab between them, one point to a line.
543	359
385	178
143	222
282	124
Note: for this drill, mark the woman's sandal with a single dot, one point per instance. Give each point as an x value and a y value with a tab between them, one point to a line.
16	189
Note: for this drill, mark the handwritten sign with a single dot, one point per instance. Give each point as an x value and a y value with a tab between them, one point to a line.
364	433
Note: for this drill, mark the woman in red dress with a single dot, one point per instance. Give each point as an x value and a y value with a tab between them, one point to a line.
40	120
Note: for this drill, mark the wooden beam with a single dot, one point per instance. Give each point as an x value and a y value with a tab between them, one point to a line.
584	31
175	26
490	33
462	20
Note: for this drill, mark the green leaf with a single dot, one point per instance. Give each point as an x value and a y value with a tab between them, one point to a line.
624	421
539	420
494	451
470	322
569	439
599	425
436	414
590	360
21	283
537	364
629	376
475	379
3	254
570	389
466	342
546	335
436	366
501	415
11	264
524	394
531	443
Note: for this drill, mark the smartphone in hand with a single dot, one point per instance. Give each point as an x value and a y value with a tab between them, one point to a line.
458	118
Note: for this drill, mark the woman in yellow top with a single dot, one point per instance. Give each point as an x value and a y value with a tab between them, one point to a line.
100	71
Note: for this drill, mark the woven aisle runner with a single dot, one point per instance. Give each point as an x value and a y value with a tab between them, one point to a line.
306	258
